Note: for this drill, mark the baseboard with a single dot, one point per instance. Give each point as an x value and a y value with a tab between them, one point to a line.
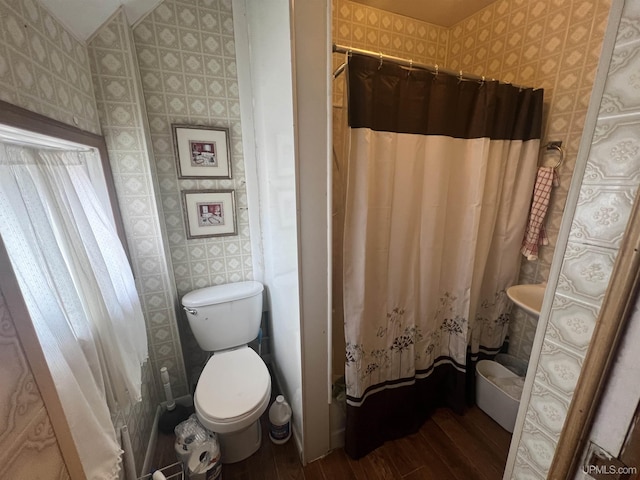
338	419
297	438
151	445
295	430
185	400
337	439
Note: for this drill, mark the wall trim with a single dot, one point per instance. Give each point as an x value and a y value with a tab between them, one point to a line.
311	54
151	444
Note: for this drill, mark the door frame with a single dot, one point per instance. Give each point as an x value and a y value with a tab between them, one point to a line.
18	117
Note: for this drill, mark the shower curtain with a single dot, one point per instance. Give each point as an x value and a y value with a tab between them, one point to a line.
439	182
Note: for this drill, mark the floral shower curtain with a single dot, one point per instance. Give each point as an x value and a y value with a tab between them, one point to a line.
439	182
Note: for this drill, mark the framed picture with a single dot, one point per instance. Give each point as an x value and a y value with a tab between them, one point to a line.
202	151
209	213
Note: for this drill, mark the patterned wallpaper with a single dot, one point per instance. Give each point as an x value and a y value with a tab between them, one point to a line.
187	63
122	117
553	44
360	26
42	67
186	54
608	190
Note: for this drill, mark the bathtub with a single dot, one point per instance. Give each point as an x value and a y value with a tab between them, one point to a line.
500	403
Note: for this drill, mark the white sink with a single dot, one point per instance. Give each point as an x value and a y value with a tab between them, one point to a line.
528	297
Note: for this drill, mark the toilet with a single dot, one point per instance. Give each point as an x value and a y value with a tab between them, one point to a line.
234	388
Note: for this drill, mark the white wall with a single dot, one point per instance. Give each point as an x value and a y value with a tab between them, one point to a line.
283	55
263	49
311	74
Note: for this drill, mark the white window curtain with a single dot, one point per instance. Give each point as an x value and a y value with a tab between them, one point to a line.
81	295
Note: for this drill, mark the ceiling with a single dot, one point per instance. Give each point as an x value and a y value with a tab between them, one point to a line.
83	17
439	12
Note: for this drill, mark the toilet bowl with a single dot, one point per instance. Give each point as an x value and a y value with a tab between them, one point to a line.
232	393
234	388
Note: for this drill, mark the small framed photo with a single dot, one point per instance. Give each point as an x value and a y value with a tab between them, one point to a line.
202	151
209	213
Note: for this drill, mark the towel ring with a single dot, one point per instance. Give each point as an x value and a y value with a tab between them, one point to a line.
556	146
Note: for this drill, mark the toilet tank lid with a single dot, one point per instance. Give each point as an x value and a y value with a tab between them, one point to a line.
221	293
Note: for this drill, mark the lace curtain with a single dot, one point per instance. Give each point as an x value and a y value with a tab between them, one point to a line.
79	288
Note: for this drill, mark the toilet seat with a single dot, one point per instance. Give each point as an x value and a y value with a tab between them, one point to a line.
233	390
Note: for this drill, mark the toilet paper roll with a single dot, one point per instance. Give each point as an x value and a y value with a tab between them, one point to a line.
203	457
158	475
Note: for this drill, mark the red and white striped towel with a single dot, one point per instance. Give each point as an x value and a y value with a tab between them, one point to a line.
535	234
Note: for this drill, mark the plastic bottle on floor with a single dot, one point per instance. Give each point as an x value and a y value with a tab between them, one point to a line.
280	421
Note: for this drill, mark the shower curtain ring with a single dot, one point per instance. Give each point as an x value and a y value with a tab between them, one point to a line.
410	67
380	65
460	77
436	71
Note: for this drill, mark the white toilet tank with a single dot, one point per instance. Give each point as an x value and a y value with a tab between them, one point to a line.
224	316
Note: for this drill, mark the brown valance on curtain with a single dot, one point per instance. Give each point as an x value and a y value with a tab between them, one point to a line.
393	98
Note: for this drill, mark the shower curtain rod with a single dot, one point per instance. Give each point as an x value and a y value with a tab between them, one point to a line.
409	63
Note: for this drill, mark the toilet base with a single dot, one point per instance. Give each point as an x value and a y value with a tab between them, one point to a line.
237	446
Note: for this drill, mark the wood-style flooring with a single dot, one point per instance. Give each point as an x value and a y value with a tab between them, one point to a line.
447	447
